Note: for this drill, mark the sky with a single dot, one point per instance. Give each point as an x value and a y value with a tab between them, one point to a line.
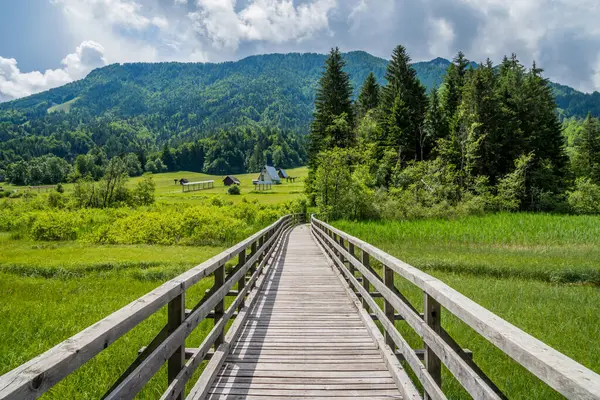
47	43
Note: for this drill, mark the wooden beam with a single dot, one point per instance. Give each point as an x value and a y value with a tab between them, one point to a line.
432	319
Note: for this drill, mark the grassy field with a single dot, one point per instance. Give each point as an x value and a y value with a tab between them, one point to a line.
50	291
539	272
169	192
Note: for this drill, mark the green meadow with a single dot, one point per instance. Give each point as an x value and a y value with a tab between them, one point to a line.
539	272
168	191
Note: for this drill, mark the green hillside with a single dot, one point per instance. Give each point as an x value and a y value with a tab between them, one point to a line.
142	105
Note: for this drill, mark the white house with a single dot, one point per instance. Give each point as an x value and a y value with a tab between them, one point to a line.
269	175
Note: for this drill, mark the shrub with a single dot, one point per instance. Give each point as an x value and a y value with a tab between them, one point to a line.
585	199
143	194
234	190
54	226
56	200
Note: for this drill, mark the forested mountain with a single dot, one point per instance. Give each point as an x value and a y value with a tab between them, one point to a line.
138	108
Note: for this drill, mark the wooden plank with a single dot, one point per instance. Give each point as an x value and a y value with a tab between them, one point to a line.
201	387
400	377
305	336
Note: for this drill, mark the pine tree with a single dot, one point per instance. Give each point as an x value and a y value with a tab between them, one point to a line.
368	99
435	122
453	84
402	106
587	159
333	99
167	158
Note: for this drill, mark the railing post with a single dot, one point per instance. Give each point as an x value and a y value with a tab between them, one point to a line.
176	315
342	258
351	251
388	280
365	282
242	281
433	363
220	306
253	249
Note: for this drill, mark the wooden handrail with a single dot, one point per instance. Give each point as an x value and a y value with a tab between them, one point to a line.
35	377
560	372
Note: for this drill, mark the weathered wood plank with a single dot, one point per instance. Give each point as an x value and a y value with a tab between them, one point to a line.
305	330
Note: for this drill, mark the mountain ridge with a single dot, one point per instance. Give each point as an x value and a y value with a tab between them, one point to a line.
430	73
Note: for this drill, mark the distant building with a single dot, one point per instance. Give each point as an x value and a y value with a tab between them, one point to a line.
282	174
230	180
269	175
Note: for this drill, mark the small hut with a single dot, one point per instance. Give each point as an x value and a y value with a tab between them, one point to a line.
282	174
230	180
269	175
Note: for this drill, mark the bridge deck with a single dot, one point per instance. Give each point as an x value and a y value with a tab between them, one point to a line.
304	337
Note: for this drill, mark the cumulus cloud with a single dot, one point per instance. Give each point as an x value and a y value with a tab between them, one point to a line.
275	21
563	36
15	84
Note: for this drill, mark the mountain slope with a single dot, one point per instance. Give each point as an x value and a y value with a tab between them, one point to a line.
149	104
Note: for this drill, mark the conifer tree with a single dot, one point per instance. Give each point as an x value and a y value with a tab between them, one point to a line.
435	122
453	84
402	106
586	162
368	99
333	100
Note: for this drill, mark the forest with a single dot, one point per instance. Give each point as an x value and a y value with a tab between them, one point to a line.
488	139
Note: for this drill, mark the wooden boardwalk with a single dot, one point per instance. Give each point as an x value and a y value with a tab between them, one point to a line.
297	329
304	337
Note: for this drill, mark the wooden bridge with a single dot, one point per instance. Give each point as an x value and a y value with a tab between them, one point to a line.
305	302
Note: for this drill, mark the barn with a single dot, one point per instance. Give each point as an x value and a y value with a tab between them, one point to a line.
230	180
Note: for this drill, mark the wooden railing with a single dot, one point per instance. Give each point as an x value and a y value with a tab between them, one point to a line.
37	376
561	373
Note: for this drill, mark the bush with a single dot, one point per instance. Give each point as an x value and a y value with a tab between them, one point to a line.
234	189
56	200
54	226
585	199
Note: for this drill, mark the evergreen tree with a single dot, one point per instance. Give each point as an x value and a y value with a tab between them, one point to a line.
368	99
333	100
587	158
167	158
402	107
435	121
453	84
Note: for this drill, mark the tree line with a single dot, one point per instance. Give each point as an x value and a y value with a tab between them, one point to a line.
489	138
228	151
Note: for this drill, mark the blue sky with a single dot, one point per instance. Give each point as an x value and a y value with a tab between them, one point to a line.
46	43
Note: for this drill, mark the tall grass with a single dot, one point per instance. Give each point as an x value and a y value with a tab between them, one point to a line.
549	248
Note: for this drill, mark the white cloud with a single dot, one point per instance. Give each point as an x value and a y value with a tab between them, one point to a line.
15	84
275	21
